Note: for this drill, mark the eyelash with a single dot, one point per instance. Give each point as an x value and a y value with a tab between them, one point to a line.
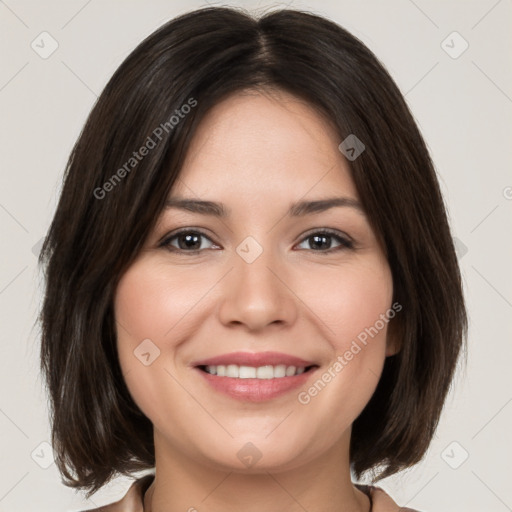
345	242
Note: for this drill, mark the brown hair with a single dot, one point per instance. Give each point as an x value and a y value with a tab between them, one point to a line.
105	214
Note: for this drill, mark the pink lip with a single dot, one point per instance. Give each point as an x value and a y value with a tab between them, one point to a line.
254	359
255	390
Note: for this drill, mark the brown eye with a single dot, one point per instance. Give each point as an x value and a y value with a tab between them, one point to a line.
321	241
185	241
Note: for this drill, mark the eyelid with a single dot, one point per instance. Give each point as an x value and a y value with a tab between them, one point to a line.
345	240
327	231
165	240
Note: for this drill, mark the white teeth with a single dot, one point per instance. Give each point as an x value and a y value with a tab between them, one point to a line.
265	372
247	372
280	370
232	370
290	371
250	372
212	370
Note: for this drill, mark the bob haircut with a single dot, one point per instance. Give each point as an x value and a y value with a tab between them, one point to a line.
104	216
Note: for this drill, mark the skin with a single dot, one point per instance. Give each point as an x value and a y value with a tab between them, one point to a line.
257	153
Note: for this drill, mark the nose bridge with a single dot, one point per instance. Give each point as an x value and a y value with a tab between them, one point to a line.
253	262
255	294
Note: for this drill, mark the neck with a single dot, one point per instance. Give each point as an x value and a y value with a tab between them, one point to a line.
183	484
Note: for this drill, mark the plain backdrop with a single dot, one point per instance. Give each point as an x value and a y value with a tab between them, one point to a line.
461	99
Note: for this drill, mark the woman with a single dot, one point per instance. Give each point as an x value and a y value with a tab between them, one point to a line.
251	284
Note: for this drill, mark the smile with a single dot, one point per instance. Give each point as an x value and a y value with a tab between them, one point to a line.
250	372
255	377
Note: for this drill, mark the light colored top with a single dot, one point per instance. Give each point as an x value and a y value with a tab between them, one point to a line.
133	500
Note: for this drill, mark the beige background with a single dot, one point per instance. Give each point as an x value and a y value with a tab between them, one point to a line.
464	108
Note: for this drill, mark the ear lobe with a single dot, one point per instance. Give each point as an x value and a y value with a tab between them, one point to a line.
392	348
393	339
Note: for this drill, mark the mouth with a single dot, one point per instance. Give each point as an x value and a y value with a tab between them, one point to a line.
255	377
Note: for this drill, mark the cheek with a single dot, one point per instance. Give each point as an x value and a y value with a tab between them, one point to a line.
148	305
355	308
150	302
350	300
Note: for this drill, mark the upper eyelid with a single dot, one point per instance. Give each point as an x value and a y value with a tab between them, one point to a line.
329	231
180	231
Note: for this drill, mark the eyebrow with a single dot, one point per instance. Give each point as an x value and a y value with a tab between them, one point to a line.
297	209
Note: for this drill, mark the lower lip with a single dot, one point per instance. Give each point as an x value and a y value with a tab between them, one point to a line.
255	390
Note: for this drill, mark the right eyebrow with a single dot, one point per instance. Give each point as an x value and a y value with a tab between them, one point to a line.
198	206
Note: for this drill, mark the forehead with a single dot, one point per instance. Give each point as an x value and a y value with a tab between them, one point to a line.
259	146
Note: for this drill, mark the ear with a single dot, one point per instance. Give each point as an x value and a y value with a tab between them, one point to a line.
394	338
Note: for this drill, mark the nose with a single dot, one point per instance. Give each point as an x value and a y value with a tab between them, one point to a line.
256	295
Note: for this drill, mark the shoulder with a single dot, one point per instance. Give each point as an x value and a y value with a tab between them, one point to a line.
381	500
132	501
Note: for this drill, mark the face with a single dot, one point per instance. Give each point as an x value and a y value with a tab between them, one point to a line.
268	324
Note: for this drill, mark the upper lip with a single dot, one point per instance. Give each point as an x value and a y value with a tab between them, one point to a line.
255	359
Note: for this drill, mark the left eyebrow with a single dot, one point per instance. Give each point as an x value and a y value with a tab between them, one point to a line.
308	207
297	209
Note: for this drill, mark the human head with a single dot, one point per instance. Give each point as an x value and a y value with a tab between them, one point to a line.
204	57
